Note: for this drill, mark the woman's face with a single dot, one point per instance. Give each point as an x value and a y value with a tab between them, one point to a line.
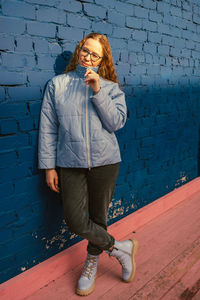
91	53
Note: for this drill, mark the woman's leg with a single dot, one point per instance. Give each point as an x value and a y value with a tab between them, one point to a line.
101	184
74	193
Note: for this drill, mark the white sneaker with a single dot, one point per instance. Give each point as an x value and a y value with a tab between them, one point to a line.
86	283
124	252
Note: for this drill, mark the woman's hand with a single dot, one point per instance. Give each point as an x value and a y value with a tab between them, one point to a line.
52	180
92	78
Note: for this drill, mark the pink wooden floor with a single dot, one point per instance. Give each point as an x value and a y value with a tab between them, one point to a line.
168	262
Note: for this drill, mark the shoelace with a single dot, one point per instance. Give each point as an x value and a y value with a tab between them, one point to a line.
89	267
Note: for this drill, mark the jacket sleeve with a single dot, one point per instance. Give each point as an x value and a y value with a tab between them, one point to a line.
111	107
48	130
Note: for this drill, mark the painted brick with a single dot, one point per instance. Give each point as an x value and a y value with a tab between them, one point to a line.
116	54
187	15
27	153
10	142
26	124
18	9
70	5
8	126
2	94
163	50
94	10
154	70
136	46
132	80
136	2
102	27
7	158
163	7
12	60
196	19
117	43
133	58
163	28
141	58
69	46
138	69
24	44
168	40
49	14
154	37
196	54
142	132
12	78
133	22
124	33
7	217
41	29
150	48
176	11
34	107
141	12
54	48
116	18
124	8
155	16
40	45
149	4
186	53
46	62
37	78
41	2
150	26
105	3
123	68
11	25
124	56
179	43
70	33
15	172
77	21
21	93
139	35
7	43
7	189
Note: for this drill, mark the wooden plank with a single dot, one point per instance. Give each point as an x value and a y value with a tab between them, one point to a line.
188	286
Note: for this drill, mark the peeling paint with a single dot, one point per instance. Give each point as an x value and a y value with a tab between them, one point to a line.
117	212
72	236
182	179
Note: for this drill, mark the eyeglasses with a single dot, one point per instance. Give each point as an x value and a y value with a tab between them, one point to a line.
93	56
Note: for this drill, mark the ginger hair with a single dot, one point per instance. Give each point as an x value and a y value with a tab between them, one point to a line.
106	68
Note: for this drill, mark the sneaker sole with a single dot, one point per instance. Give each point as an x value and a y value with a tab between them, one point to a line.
134	252
86	292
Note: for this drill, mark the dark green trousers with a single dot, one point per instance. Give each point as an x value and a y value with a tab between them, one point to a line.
86	195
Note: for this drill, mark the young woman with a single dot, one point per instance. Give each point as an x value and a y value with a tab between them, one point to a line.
81	110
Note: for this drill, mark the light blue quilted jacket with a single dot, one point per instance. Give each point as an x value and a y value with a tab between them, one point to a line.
77	126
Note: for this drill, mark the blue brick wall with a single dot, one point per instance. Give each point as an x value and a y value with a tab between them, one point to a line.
156	47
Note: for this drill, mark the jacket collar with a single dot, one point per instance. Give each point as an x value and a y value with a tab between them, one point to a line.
80	70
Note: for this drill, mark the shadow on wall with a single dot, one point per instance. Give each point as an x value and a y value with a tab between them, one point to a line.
62	61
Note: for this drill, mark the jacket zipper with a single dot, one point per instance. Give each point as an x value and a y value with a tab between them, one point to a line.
87	130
